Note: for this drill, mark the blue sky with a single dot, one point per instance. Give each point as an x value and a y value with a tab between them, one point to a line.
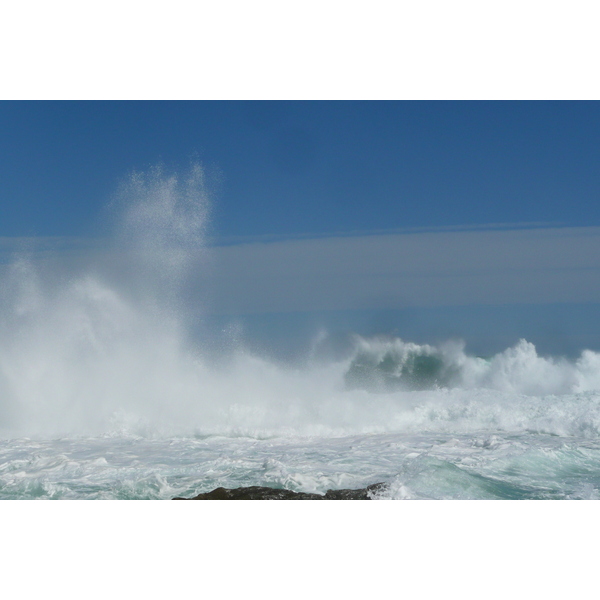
427	219
308	167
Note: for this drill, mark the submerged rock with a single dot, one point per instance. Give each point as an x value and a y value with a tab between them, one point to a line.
267	493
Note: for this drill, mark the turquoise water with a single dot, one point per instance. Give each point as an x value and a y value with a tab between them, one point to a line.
419	466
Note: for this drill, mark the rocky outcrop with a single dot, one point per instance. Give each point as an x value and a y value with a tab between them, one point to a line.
267	493
360	494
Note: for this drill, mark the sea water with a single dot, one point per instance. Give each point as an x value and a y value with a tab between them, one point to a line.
104	393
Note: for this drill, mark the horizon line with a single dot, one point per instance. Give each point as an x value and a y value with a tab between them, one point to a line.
234	240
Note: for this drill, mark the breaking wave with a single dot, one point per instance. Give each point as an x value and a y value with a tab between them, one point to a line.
386	365
107	348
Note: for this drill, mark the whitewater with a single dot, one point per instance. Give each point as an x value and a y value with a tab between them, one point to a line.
106	394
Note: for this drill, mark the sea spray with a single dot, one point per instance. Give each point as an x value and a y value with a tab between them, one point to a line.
160	226
77	351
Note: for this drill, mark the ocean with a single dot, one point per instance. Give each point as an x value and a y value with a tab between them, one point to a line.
105	394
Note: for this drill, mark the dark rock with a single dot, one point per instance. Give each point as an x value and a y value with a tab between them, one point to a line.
267	493
361	494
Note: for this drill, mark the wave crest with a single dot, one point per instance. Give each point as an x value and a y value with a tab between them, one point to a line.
386	365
